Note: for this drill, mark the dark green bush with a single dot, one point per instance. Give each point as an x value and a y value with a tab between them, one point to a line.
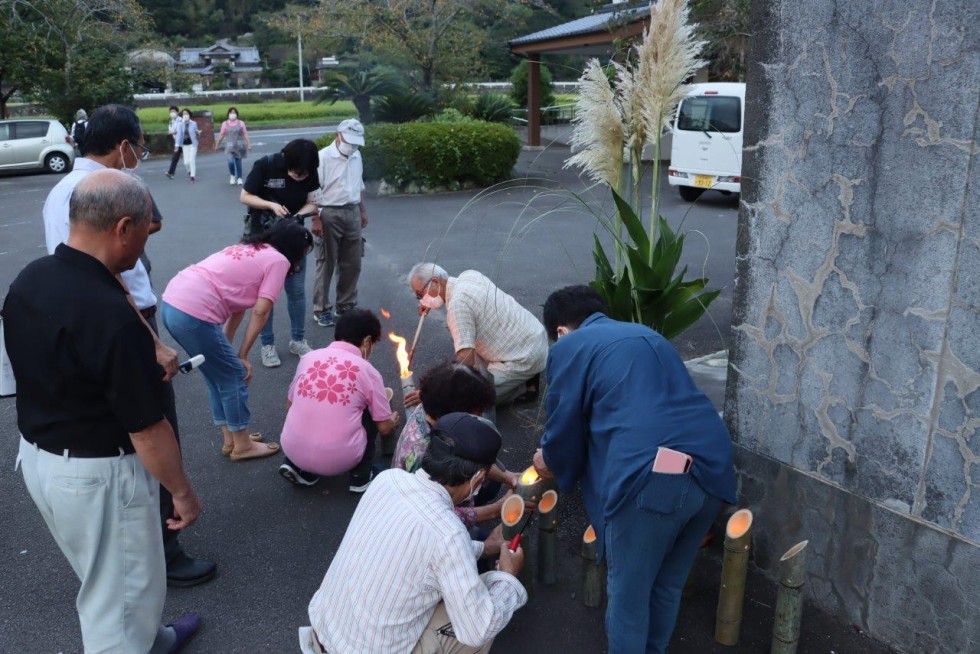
493	108
403	107
518	81
434	154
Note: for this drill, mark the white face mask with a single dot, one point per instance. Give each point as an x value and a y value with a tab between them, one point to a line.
431	301
187	118
346	148
232	116
173	114
474	490
122	158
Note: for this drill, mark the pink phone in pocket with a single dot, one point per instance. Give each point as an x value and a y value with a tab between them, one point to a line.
671	461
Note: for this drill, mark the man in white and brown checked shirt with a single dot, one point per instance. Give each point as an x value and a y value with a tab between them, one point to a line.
490	329
404	580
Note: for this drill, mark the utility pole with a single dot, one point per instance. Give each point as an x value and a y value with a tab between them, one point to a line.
299	56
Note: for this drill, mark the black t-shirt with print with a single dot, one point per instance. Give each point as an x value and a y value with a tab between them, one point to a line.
270	180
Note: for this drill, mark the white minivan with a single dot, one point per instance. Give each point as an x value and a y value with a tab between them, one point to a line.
706	152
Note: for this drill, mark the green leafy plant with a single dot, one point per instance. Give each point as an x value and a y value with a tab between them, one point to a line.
359	87
518	82
493	108
648	289
403	107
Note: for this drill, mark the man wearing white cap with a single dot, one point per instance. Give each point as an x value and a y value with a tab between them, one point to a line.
342	217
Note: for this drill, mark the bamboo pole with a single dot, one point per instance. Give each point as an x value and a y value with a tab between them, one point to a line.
512	516
738	540
789	600
548	538
532	487
594	573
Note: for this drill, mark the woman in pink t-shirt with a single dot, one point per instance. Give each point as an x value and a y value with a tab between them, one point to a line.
337	406
204	305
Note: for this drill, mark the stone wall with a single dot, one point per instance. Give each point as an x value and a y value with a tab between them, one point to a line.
854	386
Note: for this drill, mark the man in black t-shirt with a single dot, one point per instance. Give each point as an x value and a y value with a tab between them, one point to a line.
286	183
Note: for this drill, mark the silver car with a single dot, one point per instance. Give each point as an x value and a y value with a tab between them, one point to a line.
30	144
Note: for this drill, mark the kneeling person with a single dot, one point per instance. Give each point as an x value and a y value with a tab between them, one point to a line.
337	407
404	579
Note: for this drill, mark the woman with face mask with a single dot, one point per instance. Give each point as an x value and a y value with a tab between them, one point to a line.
237	145
337	405
187	133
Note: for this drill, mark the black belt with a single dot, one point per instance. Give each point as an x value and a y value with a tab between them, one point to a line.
349	205
149	312
86	452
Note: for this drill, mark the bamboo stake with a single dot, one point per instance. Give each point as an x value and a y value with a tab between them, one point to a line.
415	340
738	540
512	516
789	600
594	573
548	538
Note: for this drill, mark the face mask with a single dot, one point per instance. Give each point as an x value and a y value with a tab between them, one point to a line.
173	114
346	148
232	116
187	118
474	491
122	159
431	301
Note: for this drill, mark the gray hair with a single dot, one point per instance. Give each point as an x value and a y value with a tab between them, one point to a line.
421	273
105	196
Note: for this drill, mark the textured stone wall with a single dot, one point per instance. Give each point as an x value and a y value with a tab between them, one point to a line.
856	357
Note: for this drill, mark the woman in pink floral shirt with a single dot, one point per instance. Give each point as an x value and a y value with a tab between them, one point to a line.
448	388
337	406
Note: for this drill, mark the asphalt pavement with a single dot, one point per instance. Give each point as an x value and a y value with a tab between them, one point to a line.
273	542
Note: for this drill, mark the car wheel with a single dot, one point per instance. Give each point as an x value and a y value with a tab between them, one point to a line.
689	193
56	162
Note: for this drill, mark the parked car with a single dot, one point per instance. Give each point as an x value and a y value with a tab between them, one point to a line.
707	141
30	144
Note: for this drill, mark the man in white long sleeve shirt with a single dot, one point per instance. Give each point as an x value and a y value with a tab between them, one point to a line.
404	580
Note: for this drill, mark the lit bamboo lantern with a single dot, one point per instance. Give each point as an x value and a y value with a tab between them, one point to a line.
738	541
548	537
593	572
532	486
512	516
407	383
789	600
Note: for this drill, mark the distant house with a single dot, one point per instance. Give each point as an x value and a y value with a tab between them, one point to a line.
240	66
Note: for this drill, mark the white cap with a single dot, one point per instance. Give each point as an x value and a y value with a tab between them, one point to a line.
352	130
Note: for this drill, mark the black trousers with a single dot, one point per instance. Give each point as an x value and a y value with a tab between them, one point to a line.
174	158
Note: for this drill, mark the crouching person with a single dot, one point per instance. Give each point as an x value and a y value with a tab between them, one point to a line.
404	580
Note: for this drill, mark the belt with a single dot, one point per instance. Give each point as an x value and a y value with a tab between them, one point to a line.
338	206
149	312
86	452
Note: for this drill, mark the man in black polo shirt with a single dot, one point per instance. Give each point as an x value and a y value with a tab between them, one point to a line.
91	416
286	183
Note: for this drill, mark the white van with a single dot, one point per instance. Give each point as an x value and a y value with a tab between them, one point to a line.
706	152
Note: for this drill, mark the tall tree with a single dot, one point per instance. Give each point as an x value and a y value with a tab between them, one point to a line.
724	25
20	50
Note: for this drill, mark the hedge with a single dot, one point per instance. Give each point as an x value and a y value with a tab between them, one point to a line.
434	154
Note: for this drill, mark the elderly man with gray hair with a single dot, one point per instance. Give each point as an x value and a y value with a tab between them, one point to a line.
90	410
490	329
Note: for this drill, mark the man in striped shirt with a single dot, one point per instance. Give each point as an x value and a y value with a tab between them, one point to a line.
404	580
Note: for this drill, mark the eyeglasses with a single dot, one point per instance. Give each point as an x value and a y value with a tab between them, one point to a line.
142	152
419	293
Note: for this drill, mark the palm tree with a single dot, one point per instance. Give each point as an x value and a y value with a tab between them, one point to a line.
359	87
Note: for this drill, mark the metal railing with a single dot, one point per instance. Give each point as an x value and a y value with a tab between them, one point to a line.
559	113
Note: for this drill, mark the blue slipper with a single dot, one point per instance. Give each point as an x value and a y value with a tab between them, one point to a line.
185	628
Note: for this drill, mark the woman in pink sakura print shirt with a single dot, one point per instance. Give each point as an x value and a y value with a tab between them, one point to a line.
337	407
205	304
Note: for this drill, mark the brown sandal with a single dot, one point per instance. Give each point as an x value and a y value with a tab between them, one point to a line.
270	449
227	448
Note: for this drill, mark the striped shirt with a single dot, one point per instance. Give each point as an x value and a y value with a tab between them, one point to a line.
504	334
404	552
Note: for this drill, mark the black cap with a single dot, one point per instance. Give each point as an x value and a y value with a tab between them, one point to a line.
469	437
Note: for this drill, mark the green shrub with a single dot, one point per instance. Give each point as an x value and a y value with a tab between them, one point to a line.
493	108
452	115
518	80
434	154
403	107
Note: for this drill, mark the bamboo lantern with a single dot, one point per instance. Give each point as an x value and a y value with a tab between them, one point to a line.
532	487
789	600
738	540
548	537
594	573
512	516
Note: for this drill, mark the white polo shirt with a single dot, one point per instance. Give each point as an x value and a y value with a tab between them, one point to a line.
341	178
56	229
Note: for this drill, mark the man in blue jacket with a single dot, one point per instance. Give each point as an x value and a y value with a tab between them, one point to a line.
617	392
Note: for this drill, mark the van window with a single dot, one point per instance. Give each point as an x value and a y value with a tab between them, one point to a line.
712	113
4	131
30	130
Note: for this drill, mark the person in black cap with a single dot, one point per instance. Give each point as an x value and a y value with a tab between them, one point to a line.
405	577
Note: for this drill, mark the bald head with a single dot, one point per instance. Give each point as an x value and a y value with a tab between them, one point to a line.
105	196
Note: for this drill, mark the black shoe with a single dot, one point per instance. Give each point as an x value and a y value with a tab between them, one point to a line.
184	572
360	483
298	477
170	175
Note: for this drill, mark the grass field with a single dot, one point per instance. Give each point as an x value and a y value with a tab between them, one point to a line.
258	114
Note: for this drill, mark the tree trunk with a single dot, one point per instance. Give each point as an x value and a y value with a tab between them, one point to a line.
363	106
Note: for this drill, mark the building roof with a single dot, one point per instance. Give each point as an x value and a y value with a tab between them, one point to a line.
604	21
222	48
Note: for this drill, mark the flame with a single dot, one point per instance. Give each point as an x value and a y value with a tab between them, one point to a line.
386	313
530	476
401	353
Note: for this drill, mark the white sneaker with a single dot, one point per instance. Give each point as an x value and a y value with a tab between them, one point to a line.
241	182
270	358
299	348
231	180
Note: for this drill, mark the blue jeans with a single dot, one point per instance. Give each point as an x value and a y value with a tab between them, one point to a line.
235	166
223	372
650	548
295	306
